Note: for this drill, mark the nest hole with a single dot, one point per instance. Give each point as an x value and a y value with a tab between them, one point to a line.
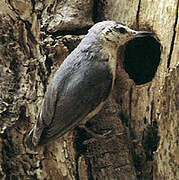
141	59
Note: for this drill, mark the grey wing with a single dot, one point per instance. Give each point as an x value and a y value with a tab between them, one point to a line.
82	92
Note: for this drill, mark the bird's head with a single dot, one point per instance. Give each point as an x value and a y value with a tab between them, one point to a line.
114	33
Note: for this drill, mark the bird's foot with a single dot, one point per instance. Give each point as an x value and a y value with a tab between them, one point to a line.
95	136
105	137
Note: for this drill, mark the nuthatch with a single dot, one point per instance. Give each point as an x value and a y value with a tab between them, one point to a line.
82	83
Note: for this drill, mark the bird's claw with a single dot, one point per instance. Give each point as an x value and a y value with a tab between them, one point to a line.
95	136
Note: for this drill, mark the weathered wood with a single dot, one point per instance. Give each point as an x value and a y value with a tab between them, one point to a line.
35	38
146	100
167	154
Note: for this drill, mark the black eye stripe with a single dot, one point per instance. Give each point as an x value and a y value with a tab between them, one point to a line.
109	31
122	30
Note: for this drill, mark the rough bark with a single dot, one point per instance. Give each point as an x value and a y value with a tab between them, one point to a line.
167	154
142	111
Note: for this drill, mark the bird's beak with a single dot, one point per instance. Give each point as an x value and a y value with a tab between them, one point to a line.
141	33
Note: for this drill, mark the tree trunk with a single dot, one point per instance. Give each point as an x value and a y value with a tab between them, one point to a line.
142	111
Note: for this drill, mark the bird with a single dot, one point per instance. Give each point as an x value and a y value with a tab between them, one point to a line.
82	83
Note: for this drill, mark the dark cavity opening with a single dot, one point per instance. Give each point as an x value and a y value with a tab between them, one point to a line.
141	59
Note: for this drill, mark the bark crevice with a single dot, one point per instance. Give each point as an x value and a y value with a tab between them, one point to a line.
137	15
173	37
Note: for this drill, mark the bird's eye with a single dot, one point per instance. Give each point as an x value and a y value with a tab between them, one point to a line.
122	30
